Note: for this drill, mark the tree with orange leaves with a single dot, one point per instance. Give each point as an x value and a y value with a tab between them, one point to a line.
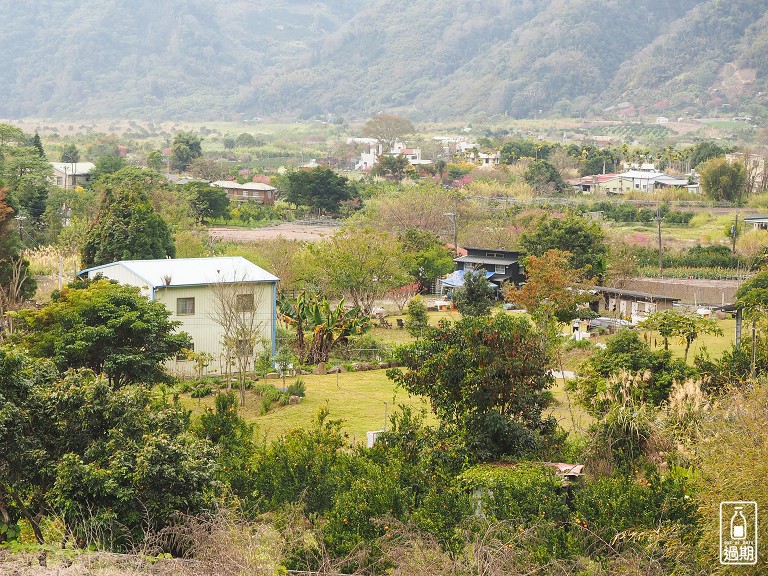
553	290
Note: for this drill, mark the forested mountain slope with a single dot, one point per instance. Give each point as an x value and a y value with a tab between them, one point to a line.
433	59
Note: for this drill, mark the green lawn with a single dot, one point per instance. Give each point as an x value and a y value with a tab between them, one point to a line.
715	345
705	228
568	414
363	400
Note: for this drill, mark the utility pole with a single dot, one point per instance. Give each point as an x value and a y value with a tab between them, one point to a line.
452	217
661	258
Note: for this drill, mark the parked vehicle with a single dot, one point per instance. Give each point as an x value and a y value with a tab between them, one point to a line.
605	323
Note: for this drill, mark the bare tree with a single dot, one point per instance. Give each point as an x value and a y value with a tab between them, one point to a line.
11	297
388	129
237	311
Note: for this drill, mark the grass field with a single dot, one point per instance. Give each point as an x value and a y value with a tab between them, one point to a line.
365	400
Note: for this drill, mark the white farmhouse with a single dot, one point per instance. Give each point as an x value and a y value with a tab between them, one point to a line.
213	298
71	174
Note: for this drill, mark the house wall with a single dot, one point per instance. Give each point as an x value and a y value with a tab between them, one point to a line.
628	307
204	325
124	276
614	186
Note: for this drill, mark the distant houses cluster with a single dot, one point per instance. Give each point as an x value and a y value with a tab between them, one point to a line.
637	178
72	174
452	145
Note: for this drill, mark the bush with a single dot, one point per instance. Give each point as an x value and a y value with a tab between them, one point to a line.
365	348
270	395
201	391
298	388
526	492
627	369
418	321
492	435
607	506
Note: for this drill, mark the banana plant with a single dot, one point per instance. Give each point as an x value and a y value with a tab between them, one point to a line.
328	325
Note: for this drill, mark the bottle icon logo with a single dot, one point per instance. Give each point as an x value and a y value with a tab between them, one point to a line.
738	533
738	524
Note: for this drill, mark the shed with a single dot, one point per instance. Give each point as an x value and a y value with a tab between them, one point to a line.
208	296
628	303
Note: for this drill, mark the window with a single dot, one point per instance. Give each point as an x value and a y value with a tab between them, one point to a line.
499	268
245	303
185	306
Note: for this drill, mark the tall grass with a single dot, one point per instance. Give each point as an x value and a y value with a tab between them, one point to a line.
45	260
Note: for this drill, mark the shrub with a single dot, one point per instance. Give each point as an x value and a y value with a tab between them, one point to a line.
627	369
365	348
201	390
526	494
418	321
608	506
269	395
298	388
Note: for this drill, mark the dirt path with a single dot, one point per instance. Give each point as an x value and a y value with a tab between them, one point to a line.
288	230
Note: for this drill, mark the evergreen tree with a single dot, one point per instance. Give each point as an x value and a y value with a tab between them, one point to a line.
70	154
476	296
127	226
186	147
38	145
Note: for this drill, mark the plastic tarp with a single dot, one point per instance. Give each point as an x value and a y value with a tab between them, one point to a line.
456	279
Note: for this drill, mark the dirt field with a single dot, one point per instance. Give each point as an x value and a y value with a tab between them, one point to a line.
288	230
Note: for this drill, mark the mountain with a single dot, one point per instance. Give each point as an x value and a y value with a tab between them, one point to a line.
431	59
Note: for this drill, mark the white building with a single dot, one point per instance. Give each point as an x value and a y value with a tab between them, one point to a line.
71	174
646	178
205	295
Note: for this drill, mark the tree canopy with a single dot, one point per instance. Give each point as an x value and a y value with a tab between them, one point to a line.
108	164
584	239
723	180
73	446
652	373
207	201
544	178
427	258
482	374
106	327
127	226
388	129
552	289
475	297
70	154
318	188
752	295
360	265
687	327
185	148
